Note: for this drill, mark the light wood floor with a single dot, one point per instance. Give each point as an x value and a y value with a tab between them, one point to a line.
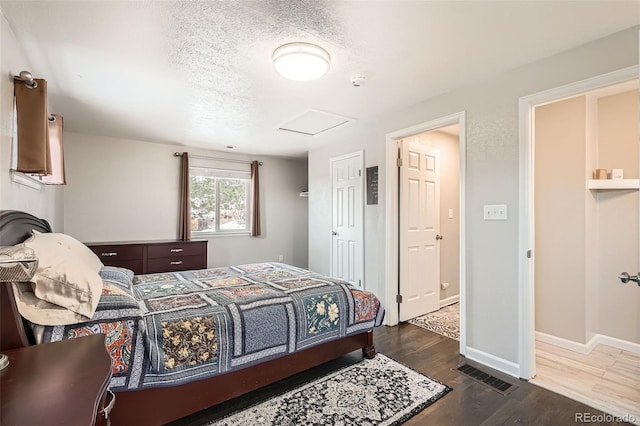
607	379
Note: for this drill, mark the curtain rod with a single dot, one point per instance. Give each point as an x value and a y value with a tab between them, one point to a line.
231	160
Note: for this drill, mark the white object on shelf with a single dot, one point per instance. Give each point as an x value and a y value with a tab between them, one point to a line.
617	174
613	183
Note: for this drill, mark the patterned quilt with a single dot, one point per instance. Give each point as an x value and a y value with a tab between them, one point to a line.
171	328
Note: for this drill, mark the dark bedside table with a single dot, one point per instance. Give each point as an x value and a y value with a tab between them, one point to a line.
60	383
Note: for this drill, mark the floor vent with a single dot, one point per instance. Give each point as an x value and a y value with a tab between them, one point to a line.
493	382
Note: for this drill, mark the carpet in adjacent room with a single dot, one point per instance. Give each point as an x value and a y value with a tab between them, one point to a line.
444	321
379	391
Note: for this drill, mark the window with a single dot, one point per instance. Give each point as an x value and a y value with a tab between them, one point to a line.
220	200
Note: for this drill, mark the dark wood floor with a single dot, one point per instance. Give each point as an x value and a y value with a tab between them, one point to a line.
470	402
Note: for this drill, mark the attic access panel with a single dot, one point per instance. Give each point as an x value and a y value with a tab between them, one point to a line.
314	122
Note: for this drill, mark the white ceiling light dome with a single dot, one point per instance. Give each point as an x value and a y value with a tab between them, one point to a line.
301	61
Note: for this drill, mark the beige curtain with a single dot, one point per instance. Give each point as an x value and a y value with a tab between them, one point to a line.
255	199
32	127
184	216
57	176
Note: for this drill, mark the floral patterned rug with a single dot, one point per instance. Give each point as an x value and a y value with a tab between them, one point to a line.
379	391
445	321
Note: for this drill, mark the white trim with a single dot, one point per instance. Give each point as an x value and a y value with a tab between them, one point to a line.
26	180
581	348
391	213
511	368
449	300
345	156
586	348
360	254
217	234
526	295
624	345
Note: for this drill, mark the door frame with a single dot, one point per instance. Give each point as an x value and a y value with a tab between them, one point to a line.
392	220
360	253
526	228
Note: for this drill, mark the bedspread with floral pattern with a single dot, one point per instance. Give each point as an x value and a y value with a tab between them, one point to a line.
165	329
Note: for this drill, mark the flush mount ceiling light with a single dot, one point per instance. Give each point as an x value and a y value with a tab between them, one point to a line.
301	61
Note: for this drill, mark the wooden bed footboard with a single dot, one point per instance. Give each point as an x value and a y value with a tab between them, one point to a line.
156	406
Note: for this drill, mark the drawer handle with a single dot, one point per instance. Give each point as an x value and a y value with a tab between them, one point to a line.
109	254
178	262
178	250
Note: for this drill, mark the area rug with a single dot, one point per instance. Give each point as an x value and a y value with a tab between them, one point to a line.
445	321
379	391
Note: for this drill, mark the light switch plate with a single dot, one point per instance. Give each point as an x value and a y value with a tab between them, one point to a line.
495	212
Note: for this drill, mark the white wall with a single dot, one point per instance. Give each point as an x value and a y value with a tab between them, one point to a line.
47	202
491	178
585	238
617	247
560	219
125	190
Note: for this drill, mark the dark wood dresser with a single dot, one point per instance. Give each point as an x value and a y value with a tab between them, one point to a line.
148	257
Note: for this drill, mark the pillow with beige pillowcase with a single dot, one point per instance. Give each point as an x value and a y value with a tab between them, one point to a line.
67	276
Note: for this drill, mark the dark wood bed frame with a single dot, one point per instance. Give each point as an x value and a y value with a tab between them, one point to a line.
156	406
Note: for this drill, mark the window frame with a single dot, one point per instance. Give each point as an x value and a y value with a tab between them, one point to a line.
240	175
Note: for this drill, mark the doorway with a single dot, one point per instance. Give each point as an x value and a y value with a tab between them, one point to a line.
584	227
429	225
347	235
527	251
392	231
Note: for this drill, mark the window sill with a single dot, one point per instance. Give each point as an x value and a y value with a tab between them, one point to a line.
26	180
207	235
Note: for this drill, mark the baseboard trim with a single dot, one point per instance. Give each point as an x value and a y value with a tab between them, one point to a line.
586	348
617	343
581	348
508	367
449	300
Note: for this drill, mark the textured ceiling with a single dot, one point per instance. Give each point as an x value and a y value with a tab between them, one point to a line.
200	73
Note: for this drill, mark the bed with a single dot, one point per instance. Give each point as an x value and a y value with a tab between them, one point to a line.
183	341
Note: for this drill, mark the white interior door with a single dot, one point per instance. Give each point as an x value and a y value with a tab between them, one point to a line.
419	228
347	239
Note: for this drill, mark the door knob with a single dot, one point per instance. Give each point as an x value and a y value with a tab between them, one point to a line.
625	278
439	237
334	233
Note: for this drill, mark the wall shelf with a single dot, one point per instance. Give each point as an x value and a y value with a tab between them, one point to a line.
600	184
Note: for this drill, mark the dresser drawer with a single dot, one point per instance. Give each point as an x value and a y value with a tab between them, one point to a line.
117	252
168	264
178	249
122	256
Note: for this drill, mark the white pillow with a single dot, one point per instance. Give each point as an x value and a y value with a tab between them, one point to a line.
79	250
63	278
42	312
